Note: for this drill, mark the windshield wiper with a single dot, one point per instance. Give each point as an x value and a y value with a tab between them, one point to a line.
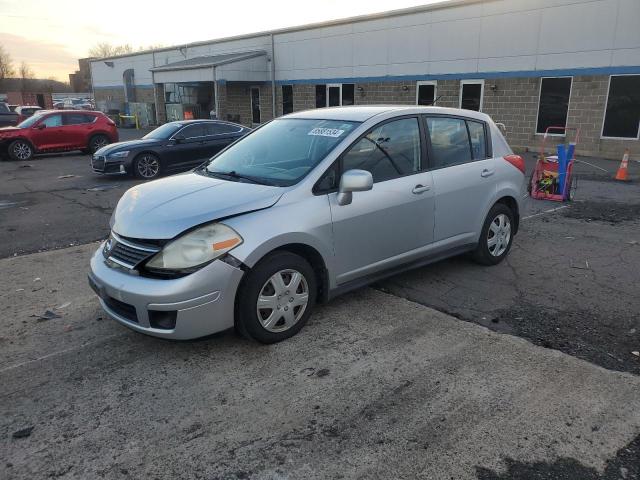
234	174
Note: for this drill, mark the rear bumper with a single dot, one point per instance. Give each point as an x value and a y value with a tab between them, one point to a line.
203	302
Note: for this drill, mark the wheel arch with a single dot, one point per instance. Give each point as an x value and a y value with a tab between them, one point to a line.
512	204
311	255
9	142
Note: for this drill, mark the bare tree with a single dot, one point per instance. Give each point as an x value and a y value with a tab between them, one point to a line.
104	49
25	74
6	65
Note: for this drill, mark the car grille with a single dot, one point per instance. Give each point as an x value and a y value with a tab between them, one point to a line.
122	309
126	253
97	162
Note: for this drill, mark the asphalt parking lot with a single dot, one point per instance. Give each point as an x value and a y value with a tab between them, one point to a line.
524	370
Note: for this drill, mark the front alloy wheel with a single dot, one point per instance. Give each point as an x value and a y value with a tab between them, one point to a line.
147	166
20	150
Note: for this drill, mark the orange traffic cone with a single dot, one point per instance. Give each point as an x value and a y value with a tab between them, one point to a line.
622	173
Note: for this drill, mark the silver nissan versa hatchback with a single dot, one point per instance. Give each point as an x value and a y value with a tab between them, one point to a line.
302	209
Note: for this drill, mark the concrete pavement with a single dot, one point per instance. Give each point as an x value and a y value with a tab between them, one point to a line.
375	386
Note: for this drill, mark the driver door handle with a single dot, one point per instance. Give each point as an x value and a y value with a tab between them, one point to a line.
486	173
418	189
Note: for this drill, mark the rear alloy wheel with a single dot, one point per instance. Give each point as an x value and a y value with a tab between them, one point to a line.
20	150
97	142
496	236
276	298
146	166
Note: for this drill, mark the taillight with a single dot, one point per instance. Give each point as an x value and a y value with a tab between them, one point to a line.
517	161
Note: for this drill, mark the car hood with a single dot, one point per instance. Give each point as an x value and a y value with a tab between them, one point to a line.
6	130
128	145
164	208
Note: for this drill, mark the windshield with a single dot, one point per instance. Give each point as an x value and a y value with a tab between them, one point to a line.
29	121
280	153
163	132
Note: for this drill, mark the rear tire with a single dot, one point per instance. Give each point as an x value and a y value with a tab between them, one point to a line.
20	150
496	236
276	298
97	142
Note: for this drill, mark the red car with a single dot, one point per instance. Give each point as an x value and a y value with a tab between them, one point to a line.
56	131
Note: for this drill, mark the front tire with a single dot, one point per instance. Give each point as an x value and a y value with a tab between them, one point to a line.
146	166
496	237
277	298
20	150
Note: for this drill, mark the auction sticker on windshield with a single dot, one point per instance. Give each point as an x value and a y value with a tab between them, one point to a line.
326	132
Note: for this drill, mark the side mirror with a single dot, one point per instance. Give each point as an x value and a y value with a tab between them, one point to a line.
40	126
178	138
353	181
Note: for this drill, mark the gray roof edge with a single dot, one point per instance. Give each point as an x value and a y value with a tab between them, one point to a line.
309	26
240	56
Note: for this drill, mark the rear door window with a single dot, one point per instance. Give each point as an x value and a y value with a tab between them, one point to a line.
449	141
221	129
77	118
192	131
388	151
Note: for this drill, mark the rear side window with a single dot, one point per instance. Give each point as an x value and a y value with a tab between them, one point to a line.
220	128
388	151
4	108
449	141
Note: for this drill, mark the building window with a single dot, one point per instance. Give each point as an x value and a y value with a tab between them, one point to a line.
348	93
335	95
321	96
622	113
255	105
554	104
426	93
471	94
287	99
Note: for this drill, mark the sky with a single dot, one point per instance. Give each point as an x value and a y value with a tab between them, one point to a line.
51	35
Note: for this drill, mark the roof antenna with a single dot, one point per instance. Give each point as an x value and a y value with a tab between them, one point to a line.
434	102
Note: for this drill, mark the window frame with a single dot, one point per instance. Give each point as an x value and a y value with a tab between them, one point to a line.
423	154
487	140
568	108
251	90
427	82
282	93
606	104
479	81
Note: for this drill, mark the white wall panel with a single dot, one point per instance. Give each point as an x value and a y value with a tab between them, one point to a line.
455	40
409	44
510	35
578	27
628	28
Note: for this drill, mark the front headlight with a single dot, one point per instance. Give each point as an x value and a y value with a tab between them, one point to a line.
122	154
196	248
